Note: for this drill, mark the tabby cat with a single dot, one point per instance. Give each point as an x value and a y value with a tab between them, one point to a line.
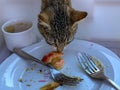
58	21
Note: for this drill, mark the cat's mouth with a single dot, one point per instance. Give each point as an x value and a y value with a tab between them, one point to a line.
59	49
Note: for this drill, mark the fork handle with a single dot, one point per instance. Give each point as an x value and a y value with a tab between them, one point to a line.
117	87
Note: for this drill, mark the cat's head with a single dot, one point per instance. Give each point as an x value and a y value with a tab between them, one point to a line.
58	27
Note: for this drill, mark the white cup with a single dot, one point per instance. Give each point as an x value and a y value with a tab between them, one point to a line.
18	33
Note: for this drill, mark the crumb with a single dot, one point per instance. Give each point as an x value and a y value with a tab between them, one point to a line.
28	85
32	68
40	71
20	80
27	69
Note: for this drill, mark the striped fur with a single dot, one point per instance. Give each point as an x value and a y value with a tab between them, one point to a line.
58	21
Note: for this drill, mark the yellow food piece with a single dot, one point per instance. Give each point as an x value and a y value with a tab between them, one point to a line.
97	62
54	59
50	86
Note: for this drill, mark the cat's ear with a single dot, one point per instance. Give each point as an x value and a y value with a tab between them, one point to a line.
43	20
76	16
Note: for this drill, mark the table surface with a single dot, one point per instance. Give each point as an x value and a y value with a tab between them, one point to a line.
112	45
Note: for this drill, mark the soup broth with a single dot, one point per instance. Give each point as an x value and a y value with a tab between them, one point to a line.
18	27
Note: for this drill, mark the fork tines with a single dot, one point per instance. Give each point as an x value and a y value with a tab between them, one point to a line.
87	63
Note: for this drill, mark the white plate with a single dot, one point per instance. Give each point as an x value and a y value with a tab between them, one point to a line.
14	68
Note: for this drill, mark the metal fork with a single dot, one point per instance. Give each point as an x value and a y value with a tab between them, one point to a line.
89	66
57	76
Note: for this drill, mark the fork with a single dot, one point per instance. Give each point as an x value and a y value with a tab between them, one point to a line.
89	66
57	76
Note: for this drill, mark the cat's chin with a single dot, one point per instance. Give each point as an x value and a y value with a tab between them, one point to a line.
55	48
